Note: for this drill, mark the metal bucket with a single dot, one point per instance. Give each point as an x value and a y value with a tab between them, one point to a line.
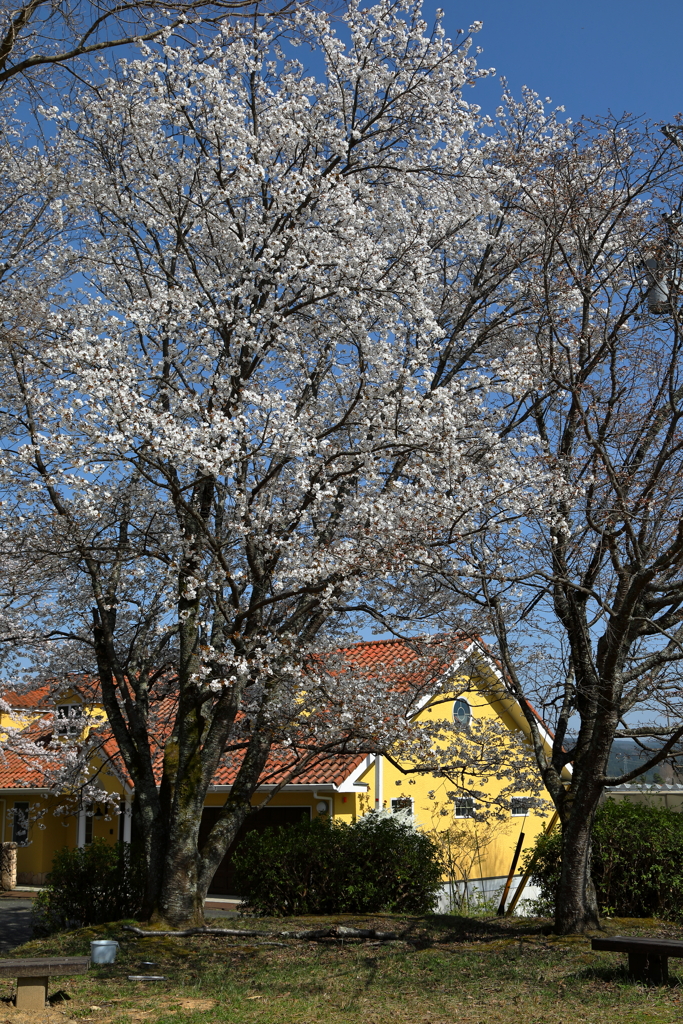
103	951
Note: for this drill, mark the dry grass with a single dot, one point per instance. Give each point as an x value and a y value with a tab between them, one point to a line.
448	970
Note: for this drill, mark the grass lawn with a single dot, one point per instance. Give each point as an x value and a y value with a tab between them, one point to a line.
449	971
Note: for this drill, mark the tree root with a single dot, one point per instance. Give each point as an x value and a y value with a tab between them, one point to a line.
335	932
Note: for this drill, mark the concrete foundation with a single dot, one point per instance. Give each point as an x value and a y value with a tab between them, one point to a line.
485	890
31	993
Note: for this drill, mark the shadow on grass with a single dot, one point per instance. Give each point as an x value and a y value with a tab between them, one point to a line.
448	928
619	975
57	998
371	963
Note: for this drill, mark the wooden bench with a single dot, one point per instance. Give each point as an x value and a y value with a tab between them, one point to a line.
648	959
32	974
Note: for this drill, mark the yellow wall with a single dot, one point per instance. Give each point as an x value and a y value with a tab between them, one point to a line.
19	719
50	832
475	848
286	798
47	833
345	806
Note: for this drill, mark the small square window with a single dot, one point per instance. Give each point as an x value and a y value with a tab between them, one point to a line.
402	803
464	807
520	806
20	824
69	719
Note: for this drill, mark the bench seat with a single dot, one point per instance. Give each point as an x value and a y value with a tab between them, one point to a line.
648	959
32	974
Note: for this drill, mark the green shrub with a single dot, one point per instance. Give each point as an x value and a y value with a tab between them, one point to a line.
329	867
90	885
637	862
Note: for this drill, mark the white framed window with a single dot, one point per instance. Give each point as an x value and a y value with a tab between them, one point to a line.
520	806
69	720
464	806
402	803
462	713
20	824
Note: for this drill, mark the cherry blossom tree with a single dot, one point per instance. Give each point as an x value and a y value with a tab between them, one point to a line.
583	593
39	39
232	424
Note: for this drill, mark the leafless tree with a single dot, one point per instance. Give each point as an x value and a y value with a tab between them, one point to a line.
583	592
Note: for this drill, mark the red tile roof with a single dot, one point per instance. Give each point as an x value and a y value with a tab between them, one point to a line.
23	772
320	770
39	697
31	772
405	664
54	692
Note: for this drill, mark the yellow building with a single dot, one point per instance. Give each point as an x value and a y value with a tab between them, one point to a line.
478	848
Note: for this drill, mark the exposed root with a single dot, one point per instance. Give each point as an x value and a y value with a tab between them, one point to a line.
335	932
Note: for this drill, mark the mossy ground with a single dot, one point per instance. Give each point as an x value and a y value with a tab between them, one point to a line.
449	970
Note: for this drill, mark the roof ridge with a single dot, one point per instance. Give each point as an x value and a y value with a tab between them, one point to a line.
367	643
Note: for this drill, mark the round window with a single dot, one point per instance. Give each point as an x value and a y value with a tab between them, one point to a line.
461	712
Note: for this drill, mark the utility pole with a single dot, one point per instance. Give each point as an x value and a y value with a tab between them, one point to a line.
658	267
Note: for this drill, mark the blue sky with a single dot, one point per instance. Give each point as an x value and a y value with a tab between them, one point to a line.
588	56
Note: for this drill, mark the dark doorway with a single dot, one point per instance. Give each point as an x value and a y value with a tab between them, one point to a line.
270	817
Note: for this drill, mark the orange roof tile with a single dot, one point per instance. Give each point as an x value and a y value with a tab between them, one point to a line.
48	694
320	770
38	697
406	663
22	772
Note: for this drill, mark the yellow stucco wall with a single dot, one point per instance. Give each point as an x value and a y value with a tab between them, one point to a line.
474	848
50	829
285	798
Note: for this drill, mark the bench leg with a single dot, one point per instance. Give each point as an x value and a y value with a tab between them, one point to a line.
31	993
650	968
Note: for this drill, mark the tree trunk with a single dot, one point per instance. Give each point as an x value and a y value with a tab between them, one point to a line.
576	910
180	902
188	871
150	833
185	783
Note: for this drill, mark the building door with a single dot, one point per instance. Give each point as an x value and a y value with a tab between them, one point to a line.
270	817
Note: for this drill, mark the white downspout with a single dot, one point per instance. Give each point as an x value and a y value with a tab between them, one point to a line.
127	818
80	833
378	782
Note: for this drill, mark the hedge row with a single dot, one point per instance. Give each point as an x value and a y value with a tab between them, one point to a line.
637	862
90	885
329	867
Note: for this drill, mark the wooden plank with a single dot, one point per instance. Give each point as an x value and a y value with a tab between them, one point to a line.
625	944
44	966
650	968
